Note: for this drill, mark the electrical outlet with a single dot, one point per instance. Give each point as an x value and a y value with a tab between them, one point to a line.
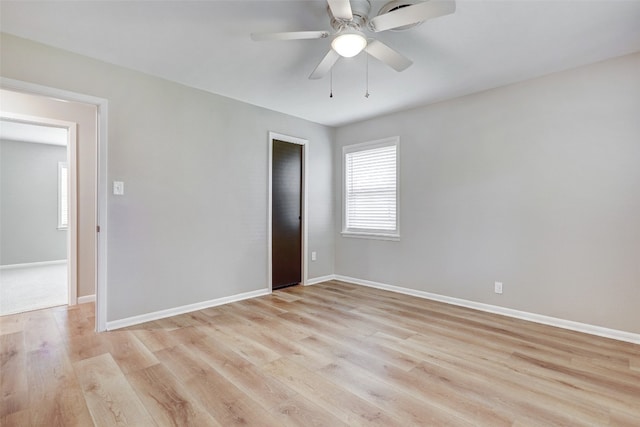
497	288
313	256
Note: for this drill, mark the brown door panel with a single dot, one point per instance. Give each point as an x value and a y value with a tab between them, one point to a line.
286	214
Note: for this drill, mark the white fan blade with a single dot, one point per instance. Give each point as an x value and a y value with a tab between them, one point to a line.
325	65
293	35
341	9
412	14
384	53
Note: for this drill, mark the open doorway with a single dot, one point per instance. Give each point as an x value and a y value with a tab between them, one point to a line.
21	99
37	213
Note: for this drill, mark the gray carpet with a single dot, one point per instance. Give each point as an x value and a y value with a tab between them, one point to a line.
31	288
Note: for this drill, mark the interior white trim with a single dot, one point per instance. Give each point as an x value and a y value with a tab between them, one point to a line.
532	317
32	264
305	155
101	180
72	190
161	314
321	279
86	298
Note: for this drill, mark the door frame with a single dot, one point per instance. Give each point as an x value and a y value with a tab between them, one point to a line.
72	188
303	142
101	179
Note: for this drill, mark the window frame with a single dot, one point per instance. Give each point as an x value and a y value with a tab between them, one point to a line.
371	233
63	204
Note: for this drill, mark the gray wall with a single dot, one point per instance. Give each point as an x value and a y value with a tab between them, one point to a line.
192	225
536	185
29	203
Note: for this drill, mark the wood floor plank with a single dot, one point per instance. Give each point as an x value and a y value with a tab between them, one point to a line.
176	322
55	397
75	321
182	362
16	419
255	307
286	296
281	343
367	326
226	403
109	395
253	351
81	348
405	407
264	306
168	401
12	324
128	352
153	336
299	411
40	330
344	405
14	392
245	376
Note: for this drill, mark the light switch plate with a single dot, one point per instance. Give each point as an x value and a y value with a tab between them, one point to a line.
118	188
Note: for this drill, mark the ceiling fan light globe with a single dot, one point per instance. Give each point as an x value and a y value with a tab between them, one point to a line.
349	44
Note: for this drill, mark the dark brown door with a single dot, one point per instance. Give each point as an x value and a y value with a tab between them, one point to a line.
286	214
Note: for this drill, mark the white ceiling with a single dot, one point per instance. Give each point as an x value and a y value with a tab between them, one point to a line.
28	132
206	45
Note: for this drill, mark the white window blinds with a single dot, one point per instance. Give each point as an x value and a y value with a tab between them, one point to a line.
371	192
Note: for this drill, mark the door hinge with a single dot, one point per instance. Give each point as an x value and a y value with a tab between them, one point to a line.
97	228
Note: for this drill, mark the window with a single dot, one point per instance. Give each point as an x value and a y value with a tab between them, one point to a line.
371	189
63	198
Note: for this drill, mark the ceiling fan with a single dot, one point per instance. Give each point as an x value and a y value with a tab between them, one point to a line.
350	19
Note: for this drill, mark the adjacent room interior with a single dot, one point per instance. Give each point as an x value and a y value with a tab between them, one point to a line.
439	227
34	217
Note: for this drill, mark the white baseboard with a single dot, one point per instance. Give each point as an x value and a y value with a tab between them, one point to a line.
86	298
533	317
32	264
317	280
135	320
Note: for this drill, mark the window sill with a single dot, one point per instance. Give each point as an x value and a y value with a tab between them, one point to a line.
375	236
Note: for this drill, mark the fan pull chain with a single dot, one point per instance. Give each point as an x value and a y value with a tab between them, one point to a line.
331	84
366	95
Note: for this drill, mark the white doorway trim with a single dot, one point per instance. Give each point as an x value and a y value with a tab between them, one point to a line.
101	193
293	140
72	188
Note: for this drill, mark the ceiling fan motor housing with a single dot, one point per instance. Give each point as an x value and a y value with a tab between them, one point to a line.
360	11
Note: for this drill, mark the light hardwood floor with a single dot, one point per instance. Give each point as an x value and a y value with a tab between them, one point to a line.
333	354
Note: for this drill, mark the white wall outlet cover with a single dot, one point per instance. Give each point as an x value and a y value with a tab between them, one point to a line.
313	256
118	188
498	287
